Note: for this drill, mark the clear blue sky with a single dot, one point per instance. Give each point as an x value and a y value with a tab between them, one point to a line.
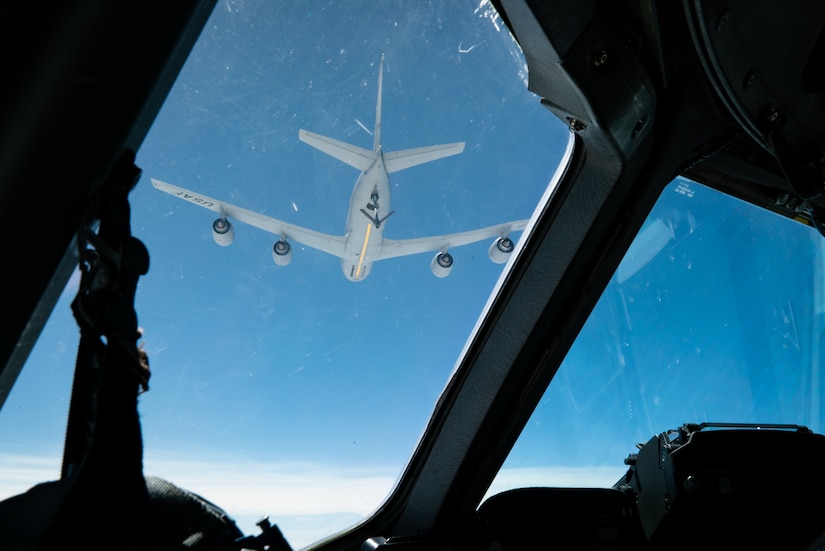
721	324
292	391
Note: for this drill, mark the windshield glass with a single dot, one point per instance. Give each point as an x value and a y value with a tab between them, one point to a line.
290	390
714	315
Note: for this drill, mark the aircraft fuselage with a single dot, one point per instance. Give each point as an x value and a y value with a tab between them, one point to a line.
368	210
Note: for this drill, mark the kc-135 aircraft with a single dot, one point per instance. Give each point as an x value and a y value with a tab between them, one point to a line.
363	241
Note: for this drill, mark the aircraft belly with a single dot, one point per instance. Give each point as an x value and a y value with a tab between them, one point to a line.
362	193
355	271
363	243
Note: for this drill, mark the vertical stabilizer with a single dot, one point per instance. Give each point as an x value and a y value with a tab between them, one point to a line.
376	144
363	159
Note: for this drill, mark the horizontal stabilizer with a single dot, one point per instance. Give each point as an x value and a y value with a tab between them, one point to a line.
353	155
399	160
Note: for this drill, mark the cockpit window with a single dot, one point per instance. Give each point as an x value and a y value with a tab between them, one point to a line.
714	315
283	388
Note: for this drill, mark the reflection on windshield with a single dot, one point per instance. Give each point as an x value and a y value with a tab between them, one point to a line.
714	315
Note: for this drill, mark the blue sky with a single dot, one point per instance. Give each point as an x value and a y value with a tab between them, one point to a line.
292	391
723	324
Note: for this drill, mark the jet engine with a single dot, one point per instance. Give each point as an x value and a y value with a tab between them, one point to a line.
500	250
222	232
442	264
282	252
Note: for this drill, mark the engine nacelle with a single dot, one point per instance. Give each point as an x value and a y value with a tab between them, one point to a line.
222	232
442	264
500	250
282	252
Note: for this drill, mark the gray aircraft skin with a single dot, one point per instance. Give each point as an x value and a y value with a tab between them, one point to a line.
369	209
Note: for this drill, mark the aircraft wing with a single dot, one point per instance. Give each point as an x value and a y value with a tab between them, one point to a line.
392	248
330	244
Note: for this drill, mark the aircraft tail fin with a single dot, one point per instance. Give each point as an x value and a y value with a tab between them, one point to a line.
353	155
362	159
399	160
376	143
